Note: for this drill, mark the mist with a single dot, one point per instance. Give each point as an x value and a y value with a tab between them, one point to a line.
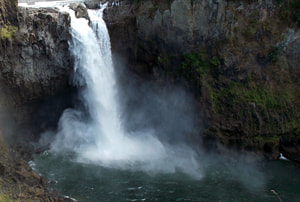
140	129
129	123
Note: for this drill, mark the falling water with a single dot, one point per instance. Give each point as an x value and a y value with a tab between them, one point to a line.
95	132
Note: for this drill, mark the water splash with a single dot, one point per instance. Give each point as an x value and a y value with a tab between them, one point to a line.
95	132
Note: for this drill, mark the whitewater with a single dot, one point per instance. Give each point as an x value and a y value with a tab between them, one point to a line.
93	132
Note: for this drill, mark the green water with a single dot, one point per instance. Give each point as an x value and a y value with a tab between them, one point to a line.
223	180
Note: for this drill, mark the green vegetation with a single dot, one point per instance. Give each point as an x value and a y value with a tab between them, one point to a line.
274	54
268	138
294	124
248	32
248	101
195	64
215	61
162	60
5	198
7	31
239	93
264	102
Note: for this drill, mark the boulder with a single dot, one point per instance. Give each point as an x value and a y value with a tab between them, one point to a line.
80	10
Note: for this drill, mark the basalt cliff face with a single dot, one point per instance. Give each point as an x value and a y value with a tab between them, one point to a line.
240	58
35	66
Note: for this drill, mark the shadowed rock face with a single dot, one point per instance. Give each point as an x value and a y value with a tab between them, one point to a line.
143	31
35	67
247	87
8	12
36	60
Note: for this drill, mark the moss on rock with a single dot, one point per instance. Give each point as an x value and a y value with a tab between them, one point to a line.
8	31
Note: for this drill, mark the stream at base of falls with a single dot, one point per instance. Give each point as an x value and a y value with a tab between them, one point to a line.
88	182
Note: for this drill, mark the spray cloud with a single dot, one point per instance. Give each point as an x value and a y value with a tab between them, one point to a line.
95	133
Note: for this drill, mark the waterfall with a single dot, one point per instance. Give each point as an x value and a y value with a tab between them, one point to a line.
93	131
101	138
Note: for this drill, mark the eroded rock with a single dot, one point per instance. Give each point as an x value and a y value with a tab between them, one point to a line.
35	67
80	10
255	49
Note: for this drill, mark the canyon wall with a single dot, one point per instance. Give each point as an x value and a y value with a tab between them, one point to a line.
35	66
240	58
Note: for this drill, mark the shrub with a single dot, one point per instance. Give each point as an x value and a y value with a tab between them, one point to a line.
215	61
194	63
274	54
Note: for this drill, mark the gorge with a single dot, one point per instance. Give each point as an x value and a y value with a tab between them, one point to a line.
197	78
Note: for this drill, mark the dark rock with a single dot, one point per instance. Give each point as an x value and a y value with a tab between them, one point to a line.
92	4
290	147
2	169
177	27
292	51
80	10
37	61
35	66
262	59
152	30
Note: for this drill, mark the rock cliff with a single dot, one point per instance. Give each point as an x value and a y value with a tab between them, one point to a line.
37	60
240	58
35	66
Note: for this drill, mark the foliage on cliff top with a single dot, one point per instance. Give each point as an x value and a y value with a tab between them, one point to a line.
7	31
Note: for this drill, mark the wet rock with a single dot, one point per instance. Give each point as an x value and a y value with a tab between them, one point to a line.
228	30
292	51
290	147
80	10
92	4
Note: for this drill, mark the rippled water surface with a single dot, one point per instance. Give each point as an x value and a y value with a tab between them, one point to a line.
221	181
